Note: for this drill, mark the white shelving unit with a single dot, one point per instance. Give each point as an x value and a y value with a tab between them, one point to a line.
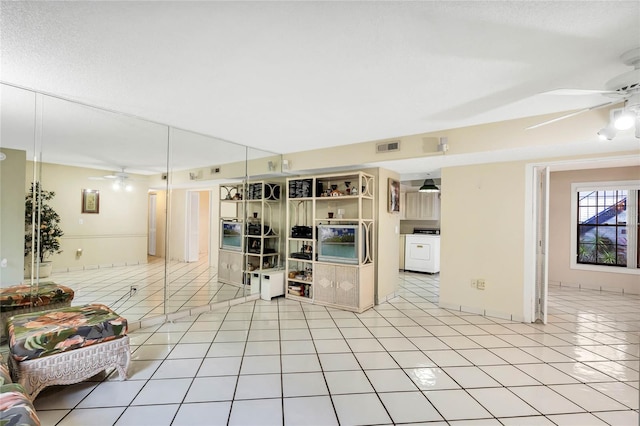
330	259
253	211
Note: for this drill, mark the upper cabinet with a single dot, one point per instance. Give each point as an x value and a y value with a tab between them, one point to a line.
422	206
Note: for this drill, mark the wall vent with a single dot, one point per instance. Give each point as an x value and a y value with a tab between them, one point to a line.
388	146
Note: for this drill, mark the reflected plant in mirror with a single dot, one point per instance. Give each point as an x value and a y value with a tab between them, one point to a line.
45	219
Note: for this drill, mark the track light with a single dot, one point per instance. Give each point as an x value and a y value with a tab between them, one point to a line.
429	186
607	133
621	119
624	120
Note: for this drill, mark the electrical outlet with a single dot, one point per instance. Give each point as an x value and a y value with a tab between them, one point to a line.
480	284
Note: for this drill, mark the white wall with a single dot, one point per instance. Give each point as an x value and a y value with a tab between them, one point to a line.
117	235
483	237
560	224
12	216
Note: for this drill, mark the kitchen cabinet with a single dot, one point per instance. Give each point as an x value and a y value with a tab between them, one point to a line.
422	206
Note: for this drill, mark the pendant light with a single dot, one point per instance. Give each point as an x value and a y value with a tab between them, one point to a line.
429	186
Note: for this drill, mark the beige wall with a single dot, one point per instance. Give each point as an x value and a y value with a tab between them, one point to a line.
387	242
161	222
560	224
203	224
177	224
12	217
117	235
483	211
214	226
489	138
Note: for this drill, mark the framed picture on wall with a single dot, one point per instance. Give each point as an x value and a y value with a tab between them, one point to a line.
90	201
394	196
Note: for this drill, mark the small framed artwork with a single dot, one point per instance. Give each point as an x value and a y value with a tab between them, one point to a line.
90	201
394	196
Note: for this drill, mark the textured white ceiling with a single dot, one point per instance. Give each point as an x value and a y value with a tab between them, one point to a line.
293	76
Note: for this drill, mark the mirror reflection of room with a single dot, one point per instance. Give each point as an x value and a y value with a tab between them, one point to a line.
137	201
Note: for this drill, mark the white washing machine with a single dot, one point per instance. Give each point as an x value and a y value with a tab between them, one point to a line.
422	253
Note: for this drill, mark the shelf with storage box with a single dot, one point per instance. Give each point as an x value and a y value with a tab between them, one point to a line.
330	220
251	223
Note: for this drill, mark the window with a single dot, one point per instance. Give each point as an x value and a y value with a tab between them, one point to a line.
607	224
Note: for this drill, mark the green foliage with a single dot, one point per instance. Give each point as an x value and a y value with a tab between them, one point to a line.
608	257
47	221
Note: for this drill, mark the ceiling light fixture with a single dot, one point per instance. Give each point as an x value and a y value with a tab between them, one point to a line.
624	120
621	119
121	184
607	133
429	186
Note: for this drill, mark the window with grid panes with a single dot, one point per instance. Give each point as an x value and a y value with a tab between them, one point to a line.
608	225
602	227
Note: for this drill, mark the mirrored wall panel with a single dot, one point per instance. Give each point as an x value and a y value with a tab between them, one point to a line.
128	212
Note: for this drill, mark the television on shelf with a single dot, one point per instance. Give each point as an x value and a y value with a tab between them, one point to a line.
338	243
231	236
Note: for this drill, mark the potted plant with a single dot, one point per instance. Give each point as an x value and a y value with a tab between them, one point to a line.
47	222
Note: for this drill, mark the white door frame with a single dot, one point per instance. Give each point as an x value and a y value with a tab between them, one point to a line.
530	295
541	219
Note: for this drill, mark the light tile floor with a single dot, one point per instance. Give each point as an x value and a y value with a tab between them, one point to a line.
188	285
403	362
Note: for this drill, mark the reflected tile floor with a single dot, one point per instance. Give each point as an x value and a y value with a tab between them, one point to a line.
189	285
406	361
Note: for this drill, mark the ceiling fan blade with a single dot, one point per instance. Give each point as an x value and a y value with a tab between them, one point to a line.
579	92
562	117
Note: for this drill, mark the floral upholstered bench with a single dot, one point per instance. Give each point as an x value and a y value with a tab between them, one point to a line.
66	345
20	299
15	406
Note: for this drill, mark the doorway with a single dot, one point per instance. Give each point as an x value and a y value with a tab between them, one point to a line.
198	228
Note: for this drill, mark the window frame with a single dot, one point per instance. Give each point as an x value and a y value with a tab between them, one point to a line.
632	186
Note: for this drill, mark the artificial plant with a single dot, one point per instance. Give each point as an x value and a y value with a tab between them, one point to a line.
47	221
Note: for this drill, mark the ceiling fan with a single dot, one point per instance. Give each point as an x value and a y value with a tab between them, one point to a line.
121	180
622	88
